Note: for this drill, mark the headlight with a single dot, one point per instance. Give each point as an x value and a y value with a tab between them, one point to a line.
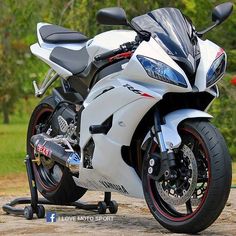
160	71
217	70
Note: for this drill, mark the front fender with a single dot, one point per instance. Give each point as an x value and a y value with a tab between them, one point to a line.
170	128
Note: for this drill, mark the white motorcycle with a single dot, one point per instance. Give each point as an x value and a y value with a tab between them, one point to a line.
130	116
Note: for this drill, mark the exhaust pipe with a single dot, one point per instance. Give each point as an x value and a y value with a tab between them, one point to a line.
43	145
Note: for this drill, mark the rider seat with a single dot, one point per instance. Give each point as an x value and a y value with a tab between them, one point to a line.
74	61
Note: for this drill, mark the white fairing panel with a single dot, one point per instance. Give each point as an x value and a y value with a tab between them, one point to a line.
209	52
127	108
152	50
108	41
44	55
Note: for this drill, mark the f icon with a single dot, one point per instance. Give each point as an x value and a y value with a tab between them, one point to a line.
51	217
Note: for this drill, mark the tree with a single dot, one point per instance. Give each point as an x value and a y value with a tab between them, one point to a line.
16	30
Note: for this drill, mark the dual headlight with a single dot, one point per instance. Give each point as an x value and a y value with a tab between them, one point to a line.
160	71
216	70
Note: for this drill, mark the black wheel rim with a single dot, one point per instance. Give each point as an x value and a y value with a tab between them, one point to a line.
193	140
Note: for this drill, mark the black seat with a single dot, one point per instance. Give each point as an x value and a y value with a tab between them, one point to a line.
74	61
58	34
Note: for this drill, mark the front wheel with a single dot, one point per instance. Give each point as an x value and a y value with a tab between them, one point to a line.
194	200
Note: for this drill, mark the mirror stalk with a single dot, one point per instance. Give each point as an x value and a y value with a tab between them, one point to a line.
143	34
201	33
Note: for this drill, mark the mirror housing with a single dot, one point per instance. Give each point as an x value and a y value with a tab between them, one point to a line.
222	12
219	14
112	16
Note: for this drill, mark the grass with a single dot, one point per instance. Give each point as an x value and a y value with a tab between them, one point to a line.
12	148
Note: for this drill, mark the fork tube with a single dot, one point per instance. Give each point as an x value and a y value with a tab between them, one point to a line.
158	133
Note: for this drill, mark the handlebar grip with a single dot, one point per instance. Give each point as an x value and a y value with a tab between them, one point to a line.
108	54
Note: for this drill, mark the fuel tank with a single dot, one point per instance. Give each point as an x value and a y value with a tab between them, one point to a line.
108	41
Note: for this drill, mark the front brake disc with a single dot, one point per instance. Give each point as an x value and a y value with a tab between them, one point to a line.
171	192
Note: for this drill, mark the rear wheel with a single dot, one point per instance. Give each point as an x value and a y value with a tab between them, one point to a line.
193	201
53	181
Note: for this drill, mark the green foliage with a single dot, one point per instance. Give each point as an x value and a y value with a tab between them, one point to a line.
224	113
231	60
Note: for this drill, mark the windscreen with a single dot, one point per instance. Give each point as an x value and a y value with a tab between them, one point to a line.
174	33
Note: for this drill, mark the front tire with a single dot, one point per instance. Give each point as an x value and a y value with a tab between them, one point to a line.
214	173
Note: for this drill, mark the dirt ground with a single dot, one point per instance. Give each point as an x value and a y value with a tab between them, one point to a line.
133	217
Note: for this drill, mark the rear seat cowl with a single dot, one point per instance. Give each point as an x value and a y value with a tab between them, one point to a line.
57	34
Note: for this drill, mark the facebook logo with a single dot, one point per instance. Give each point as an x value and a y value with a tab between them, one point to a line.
51	216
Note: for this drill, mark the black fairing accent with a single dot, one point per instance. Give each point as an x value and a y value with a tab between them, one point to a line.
60	95
88	154
84	81
74	61
112	16
175	34
107	70
78	85
103	128
58	34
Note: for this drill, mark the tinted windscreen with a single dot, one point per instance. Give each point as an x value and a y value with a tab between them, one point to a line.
173	32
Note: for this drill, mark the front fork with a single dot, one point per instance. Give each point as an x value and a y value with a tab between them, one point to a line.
160	166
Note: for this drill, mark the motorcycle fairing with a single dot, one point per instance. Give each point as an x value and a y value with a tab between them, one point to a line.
210	51
107	163
119	99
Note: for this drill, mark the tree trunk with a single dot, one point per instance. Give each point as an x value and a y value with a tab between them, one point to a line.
6	118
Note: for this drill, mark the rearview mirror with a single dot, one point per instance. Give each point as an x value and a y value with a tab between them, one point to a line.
112	16
222	12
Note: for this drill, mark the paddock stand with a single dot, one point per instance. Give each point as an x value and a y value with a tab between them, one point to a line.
36	203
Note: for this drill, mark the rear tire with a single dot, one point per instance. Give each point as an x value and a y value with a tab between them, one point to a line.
215	194
65	191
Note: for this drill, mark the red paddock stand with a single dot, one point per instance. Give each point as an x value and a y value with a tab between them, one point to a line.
36	204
